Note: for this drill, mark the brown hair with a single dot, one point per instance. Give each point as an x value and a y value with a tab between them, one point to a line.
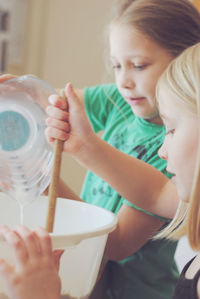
173	24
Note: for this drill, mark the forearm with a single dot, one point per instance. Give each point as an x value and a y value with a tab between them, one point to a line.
134	179
65	191
134	229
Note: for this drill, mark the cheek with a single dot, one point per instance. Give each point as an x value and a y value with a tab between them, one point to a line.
180	157
184	184
190	156
147	85
117	82
118	86
184	163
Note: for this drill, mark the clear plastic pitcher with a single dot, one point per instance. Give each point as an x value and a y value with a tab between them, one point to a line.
25	156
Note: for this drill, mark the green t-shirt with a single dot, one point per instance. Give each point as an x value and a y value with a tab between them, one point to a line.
150	272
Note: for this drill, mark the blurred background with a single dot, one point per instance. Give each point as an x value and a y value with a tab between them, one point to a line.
58	41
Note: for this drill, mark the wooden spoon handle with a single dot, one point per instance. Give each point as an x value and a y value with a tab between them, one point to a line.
53	187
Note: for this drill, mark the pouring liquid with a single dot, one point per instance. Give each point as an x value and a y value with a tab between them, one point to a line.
21	214
23	199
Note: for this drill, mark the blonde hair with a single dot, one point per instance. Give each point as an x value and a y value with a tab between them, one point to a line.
182	78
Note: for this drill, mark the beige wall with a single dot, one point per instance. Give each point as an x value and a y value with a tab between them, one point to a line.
65	40
65	43
74	41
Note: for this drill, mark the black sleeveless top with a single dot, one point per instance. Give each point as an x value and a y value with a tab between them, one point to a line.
187	288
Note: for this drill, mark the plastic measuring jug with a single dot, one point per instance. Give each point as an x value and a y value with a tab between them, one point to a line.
25	156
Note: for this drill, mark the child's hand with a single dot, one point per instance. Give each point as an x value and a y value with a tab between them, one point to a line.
35	270
6	77
68	121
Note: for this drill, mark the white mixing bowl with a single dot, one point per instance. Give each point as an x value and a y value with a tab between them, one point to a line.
82	229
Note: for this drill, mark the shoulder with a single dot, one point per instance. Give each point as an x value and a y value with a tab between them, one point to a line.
198	288
196	269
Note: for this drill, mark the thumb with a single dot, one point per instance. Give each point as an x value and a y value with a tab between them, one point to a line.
72	97
56	256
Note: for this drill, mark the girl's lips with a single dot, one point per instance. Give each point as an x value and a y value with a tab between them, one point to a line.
135	101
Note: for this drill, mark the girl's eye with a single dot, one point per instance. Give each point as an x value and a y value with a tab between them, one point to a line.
140	67
169	132
116	67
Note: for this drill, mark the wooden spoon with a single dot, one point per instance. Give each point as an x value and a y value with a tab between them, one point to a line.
53	187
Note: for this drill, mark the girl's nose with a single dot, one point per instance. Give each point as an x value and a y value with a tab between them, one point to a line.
126	81
162	152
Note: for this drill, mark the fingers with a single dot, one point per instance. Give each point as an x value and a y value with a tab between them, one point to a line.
59	102
62	104
57	256
53	133
57	122
57	113
5	270
4	186
26	244
30	240
16	243
59	106
63	124
54	123
37	242
45	241
6	77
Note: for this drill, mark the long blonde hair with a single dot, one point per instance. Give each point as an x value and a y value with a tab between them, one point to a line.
182	78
